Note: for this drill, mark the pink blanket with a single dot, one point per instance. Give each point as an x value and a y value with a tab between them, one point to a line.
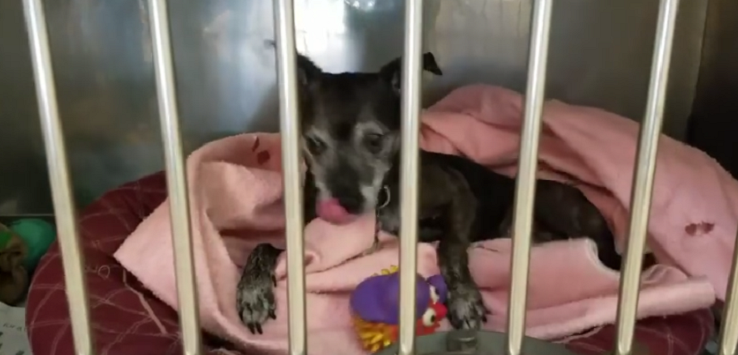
236	202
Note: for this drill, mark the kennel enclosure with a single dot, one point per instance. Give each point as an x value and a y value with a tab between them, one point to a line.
665	29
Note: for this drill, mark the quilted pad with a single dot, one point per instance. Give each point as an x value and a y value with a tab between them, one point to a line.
128	319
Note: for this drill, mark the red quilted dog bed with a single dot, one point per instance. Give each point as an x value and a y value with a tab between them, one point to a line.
127	319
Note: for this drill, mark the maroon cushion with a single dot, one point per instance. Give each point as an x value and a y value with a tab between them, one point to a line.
128	319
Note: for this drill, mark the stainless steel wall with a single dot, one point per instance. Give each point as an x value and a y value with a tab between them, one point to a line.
225	69
714	124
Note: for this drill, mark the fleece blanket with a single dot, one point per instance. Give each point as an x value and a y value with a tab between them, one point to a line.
235	192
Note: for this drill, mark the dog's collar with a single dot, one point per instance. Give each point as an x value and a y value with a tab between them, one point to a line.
383	192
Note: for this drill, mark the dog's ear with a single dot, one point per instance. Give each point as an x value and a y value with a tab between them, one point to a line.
307	72
392	71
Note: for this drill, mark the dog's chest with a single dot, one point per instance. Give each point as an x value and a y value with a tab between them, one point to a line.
430	228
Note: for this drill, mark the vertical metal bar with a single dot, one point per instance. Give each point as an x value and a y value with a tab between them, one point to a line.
410	163
284	29
640	205
526	179
176	179
729	329
56	158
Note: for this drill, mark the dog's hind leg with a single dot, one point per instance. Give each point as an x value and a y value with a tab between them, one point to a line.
565	210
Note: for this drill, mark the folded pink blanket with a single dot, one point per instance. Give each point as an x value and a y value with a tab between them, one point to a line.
235	193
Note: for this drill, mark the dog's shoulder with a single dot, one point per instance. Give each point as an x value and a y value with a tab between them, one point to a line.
493	193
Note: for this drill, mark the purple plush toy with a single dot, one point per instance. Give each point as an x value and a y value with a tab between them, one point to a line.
375	306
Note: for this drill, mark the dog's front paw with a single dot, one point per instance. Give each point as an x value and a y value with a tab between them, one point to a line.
255	291
256	301
466	309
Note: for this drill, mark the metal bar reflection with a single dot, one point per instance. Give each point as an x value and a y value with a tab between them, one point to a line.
284	29
526	178
641	194
176	179
729	328
56	158
410	164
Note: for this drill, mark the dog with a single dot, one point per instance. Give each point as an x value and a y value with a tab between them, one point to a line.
350	137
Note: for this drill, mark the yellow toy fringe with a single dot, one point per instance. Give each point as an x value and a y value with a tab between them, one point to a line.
391	270
375	336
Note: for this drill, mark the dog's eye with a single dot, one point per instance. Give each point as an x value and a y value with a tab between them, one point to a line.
373	142
315	145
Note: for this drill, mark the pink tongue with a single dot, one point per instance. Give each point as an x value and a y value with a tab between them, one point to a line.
332	211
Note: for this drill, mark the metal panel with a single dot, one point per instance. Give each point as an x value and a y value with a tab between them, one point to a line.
713	124
600	55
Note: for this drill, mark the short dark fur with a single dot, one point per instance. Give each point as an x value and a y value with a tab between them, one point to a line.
468	202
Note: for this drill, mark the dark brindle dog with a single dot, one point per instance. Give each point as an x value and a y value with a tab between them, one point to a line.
351	142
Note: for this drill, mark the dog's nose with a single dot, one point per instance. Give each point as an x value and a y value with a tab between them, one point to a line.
352	204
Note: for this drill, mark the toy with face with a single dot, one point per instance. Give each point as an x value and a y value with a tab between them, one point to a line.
375	306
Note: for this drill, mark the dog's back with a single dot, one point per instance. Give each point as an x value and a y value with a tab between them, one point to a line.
561	211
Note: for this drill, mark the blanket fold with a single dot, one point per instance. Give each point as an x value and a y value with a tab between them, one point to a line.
235	193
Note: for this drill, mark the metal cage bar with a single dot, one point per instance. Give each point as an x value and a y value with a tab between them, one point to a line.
525	189
645	168
61	192
284	29
179	206
410	164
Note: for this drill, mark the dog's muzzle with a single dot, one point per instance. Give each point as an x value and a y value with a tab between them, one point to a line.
332	211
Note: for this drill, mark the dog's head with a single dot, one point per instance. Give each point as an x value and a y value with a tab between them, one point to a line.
351	133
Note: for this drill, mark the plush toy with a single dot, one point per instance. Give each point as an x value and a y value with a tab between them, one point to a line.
375	306
14	277
38	236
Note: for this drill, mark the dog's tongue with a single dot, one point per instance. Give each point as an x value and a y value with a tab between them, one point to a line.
332	211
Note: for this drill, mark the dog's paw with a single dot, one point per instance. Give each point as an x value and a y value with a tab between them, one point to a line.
466	309
256	302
